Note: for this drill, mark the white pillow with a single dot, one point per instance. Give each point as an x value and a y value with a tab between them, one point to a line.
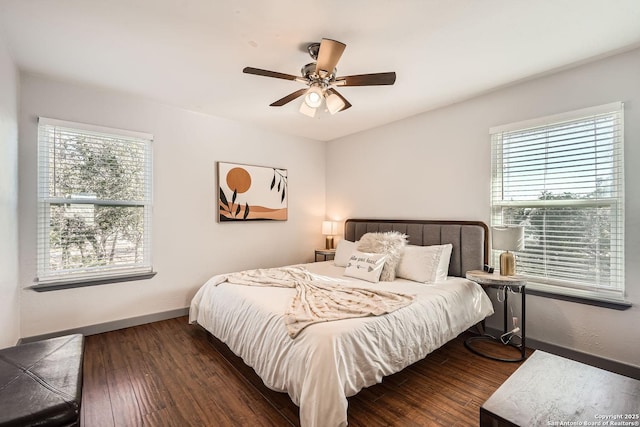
365	266
343	252
443	265
390	243
426	264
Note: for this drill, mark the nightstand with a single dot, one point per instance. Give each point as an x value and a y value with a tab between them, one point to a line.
326	254
504	284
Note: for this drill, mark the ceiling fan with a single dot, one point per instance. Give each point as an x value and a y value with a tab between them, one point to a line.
320	77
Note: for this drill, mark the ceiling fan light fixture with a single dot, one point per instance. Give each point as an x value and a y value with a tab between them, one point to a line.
334	103
313	98
307	111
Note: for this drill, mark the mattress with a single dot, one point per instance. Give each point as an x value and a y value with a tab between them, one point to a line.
328	362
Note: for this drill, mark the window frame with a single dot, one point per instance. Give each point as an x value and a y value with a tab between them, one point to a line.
47	279
565	289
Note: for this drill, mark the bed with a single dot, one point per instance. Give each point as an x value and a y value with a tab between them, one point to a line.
329	361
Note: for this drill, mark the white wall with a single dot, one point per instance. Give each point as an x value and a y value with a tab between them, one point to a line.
188	244
9	290
437	166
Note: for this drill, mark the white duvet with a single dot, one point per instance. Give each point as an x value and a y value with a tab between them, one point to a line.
328	362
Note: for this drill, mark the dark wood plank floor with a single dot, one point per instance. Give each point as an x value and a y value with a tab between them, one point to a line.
171	373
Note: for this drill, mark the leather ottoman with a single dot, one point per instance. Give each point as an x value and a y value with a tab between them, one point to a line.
41	382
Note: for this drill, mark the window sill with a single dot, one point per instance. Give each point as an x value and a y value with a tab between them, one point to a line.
70	284
598	302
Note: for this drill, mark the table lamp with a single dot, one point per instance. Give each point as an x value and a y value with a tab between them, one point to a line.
329	229
508	238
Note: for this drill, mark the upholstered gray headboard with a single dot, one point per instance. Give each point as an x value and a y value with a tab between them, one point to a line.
469	238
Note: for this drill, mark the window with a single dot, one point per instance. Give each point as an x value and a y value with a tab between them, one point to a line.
562	178
94	203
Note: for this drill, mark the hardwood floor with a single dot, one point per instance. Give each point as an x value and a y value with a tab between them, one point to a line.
171	373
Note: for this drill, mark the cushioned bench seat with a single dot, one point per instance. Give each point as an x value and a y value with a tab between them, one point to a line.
41	383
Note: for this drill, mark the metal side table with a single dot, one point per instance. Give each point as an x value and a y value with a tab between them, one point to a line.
506	283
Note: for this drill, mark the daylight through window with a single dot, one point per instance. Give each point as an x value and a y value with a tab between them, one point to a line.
562	178
94	196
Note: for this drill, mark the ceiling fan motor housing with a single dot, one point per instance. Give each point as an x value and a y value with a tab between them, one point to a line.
323	79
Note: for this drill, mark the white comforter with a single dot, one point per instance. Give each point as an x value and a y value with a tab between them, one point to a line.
318	299
328	362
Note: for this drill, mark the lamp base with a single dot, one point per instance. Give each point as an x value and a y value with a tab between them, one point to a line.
329	242
507	264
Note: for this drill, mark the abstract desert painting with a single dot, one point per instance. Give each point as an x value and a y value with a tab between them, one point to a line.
249	192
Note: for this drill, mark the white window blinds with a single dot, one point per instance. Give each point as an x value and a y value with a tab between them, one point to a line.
94	202
562	178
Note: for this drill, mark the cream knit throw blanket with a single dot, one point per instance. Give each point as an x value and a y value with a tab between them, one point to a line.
319	301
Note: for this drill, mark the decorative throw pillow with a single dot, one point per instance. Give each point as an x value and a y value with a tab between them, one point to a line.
344	249
390	243
365	266
425	264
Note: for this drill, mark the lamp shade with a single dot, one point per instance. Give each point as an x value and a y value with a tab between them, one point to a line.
508	238
329	228
334	103
306	110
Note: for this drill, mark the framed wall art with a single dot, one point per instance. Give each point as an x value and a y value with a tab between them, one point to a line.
251	193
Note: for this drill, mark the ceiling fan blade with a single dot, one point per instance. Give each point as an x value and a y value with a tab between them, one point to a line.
331	92
329	55
280	102
267	73
376	79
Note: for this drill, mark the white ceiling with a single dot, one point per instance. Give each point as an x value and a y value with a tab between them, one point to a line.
190	53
